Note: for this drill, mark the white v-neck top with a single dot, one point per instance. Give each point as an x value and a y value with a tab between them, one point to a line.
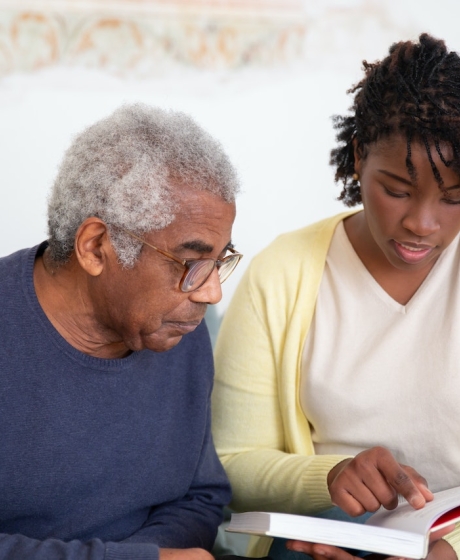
375	372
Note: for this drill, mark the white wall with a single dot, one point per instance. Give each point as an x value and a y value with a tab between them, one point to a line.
275	123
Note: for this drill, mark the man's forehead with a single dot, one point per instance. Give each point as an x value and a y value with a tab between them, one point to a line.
203	226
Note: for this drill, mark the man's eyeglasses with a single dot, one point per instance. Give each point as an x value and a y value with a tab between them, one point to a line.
197	271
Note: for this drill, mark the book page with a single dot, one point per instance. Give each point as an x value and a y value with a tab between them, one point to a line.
392	542
448	518
402	532
405	518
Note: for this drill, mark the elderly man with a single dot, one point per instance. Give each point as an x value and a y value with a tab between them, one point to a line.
106	450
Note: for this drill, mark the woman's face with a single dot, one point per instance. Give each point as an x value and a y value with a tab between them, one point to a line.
411	222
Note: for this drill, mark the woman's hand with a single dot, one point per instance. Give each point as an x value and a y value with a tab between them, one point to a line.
364	483
374	478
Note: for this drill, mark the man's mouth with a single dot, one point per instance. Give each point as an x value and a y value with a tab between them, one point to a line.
183	326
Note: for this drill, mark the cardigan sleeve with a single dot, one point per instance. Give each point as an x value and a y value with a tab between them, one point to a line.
454	539
248	422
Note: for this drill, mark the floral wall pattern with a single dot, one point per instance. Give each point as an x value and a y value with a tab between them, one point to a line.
142	36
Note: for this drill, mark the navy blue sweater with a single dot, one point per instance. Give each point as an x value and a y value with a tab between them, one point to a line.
100	459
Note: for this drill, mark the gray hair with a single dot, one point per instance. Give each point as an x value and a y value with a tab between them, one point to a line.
127	169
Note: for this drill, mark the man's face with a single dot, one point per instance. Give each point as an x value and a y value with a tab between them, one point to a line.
144	306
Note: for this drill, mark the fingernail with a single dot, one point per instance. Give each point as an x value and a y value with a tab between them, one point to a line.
417	502
427	489
323	552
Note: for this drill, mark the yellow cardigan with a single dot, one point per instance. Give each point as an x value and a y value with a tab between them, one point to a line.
261	434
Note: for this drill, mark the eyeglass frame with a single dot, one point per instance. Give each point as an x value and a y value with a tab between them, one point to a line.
186	262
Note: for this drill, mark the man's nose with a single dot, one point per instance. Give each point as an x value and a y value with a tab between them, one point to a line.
210	292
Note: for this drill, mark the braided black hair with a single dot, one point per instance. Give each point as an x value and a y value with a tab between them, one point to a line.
414	91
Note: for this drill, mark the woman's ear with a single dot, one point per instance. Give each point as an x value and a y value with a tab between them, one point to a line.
92	245
358	154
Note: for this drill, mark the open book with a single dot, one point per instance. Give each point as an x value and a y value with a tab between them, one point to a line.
399	532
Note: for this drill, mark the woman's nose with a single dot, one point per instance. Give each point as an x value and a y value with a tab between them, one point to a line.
421	220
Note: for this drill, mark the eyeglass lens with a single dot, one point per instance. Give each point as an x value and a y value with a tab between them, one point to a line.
227	267
197	274
200	271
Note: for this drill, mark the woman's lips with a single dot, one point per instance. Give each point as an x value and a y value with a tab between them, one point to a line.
412	253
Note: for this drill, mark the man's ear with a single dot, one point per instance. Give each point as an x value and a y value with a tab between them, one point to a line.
92	245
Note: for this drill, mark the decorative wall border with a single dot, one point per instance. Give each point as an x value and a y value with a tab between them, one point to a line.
142	36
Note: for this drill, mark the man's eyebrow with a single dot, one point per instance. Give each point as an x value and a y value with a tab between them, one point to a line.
409	183
195	245
200	246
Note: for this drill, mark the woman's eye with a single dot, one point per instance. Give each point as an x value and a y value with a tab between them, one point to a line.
395	194
451	200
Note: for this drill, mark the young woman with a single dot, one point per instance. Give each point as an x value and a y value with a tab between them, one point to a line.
338	360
